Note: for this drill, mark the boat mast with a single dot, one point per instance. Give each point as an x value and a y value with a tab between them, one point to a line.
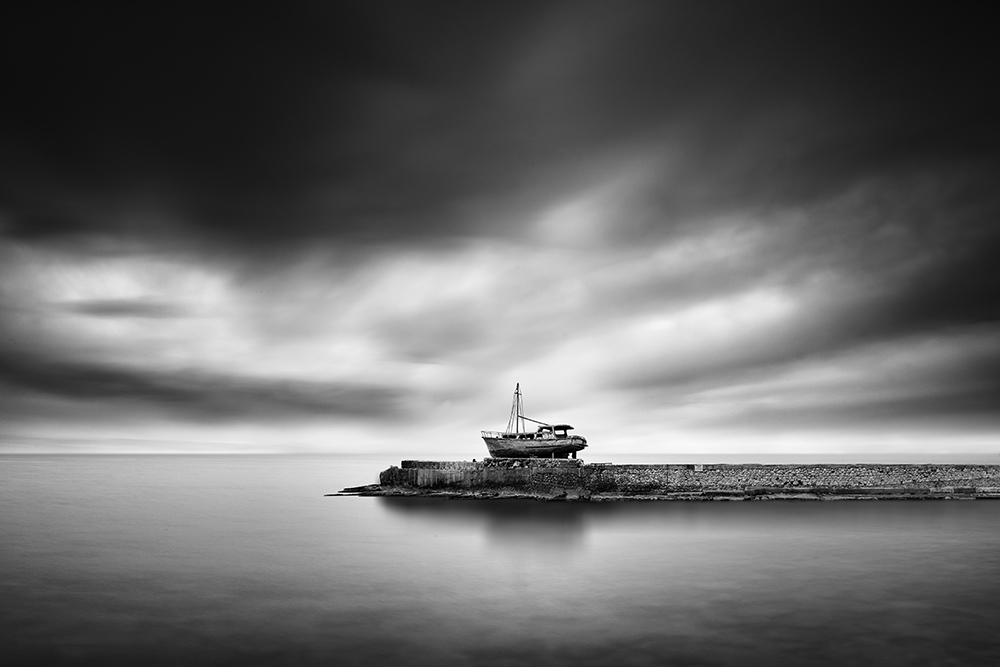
516	422
520	410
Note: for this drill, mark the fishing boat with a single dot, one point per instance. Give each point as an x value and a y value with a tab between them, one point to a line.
546	441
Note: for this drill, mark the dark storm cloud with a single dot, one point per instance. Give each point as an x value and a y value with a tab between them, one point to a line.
921	269
199	395
125	308
396	121
237	122
966	393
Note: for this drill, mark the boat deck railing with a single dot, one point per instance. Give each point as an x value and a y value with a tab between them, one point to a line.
516	436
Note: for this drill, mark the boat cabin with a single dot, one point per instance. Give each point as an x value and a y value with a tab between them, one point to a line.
553	431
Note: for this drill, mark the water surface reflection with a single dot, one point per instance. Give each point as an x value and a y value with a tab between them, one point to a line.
514	523
196	560
826	583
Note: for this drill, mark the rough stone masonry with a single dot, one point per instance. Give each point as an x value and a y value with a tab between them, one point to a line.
572	479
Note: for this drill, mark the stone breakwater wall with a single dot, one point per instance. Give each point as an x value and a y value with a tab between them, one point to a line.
573	477
524	475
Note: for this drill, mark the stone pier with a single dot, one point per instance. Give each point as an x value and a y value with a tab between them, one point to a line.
573	479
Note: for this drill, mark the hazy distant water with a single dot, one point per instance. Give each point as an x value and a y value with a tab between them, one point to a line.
160	560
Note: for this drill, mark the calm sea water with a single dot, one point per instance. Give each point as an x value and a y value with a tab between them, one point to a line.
200	560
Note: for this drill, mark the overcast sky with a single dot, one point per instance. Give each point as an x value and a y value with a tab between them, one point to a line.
682	227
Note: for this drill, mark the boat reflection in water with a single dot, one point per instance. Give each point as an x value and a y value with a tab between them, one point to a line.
547	441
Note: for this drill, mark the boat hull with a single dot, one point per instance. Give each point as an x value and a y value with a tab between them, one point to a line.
518	448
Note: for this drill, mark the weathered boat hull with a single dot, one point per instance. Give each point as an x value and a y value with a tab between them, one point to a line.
559	448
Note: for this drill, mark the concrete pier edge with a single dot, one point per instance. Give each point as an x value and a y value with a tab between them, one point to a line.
574	479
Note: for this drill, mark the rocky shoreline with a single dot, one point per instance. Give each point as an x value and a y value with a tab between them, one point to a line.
569	496
575	481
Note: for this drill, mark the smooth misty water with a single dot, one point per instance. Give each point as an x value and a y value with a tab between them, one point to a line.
168	560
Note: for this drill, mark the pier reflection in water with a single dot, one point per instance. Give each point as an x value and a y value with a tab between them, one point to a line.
508	524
